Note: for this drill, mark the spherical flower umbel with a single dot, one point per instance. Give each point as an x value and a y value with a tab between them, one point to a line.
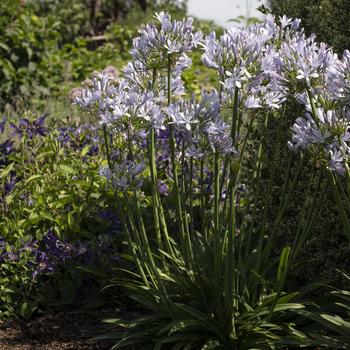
327	130
181	115
237	52
155	43
305	133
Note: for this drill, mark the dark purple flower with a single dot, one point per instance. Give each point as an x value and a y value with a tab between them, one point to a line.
163	188
43	264
6	147
31	129
56	248
38	125
106	214
10	185
29	246
7	251
163	134
78	138
65	135
111	219
11	255
21	128
2	248
2	125
162	157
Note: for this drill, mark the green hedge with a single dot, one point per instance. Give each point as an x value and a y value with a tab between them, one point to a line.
328	19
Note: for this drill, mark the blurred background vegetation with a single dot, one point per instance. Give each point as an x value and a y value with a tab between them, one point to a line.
328	19
47	47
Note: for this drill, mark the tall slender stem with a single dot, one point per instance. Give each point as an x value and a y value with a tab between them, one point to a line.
340	204
313	107
216	194
154	192
185	241
107	146
282	210
131	245
190	190
130	152
235	115
202	199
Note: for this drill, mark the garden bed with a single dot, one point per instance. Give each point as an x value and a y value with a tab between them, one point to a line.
195	203
72	330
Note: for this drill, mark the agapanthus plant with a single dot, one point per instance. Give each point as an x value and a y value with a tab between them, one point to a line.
205	257
320	85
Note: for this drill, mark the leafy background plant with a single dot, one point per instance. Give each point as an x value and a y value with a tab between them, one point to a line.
64	197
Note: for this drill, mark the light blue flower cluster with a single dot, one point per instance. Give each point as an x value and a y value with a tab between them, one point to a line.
259	68
154	44
318	79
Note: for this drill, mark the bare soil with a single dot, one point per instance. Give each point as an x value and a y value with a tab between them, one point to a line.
73	330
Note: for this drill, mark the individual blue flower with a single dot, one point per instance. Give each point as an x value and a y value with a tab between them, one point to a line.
125	175
252	103
336	161
194	152
42	264
163	188
182	115
305	133
7	147
10	185
219	136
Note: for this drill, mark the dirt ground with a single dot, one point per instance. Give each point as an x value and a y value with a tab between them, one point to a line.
72	330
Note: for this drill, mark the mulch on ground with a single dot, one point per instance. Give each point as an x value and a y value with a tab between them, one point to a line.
73	330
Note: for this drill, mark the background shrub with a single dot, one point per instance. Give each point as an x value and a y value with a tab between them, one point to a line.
327	248
328	19
46	47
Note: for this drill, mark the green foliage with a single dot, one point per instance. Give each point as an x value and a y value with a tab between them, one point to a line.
328	19
35	65
51	183
26	41
52	188
47	47
84	18
235	293
194	314
17	287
